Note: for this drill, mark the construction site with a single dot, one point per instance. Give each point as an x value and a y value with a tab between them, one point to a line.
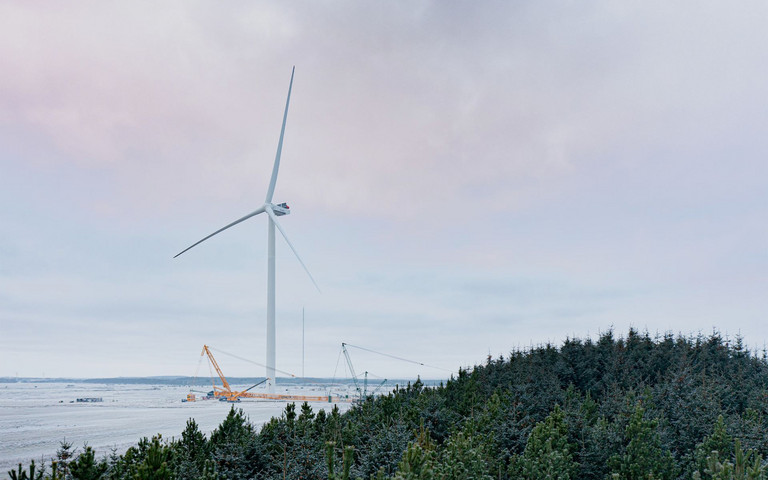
351	387
222	389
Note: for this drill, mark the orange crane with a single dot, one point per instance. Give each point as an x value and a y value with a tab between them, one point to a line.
225	392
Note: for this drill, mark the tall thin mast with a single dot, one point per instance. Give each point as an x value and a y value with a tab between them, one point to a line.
302	343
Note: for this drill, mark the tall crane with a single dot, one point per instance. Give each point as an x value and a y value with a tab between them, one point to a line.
364	391
225	392
352	369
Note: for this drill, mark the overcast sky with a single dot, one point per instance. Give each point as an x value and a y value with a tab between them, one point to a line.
465	178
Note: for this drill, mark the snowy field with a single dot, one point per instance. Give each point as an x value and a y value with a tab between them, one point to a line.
35	418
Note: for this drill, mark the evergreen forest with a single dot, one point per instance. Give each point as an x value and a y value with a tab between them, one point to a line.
617	408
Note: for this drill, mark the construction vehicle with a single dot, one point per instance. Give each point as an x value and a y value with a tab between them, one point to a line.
191	397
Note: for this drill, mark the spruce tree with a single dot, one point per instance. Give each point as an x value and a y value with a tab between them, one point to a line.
190	453
235	447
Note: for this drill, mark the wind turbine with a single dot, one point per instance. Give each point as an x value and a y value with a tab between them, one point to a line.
273	211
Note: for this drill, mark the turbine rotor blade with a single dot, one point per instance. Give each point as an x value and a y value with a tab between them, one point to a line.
256	212
273	217
276	167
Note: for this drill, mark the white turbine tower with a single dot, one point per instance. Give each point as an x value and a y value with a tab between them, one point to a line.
273	211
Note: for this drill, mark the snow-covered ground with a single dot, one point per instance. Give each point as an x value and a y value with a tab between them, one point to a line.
35	418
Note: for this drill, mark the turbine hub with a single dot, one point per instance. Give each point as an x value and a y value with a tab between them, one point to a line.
281	209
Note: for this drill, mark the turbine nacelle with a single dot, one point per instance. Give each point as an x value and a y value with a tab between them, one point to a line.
281	209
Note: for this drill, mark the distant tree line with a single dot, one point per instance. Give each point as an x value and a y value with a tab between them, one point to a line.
629	408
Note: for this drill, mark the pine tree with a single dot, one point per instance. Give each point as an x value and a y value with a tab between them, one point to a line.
30	474
156	462
719	441
85	467
745	466
331	464
55	473
547	454
643	457
418	460
461	458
